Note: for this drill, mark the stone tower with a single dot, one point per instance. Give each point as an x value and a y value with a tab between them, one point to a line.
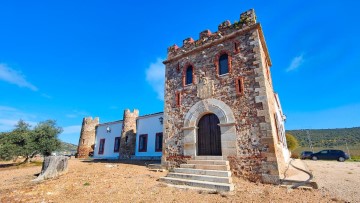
87	137
128	134
219	101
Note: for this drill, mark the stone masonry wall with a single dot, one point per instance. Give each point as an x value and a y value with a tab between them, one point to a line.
243	41
128	135
87	137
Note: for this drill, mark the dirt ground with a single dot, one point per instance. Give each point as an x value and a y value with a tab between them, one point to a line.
340	179
88	181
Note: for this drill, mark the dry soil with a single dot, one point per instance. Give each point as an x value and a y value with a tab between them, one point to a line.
340	179
88	181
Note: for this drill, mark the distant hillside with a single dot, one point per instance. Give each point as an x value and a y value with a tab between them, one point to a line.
328	137
68	147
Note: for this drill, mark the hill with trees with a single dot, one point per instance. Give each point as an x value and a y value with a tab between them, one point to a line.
327	137
67	147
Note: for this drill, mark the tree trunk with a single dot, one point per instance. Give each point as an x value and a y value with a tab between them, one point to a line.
52	167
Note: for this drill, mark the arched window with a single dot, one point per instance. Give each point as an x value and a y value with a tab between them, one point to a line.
223	64
189	75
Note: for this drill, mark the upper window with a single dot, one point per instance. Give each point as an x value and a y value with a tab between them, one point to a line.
158	142
101	146
117	144
189	75
143	143
223	64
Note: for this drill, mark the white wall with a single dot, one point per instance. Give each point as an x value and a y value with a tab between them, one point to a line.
281	123
116	128
149	125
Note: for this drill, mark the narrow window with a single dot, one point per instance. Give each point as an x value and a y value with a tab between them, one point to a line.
223	64
117	144
189	75
83	141
143	143
101	146
126	139
178	98
158	142
240	86
236	46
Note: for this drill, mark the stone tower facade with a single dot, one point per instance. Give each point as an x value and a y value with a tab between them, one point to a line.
87	137
248	111
128	135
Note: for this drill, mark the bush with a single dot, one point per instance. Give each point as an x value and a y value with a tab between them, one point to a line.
294	156
291	141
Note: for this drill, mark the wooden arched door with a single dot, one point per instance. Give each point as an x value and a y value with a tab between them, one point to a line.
209	136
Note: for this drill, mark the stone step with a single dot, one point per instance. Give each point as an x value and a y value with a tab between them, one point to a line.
215	179
203	172
209	158
206	167
197	183
208	162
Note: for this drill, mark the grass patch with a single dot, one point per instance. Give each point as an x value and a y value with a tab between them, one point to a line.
37	163
86	184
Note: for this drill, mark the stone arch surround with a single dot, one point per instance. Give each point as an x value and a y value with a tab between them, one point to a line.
227	126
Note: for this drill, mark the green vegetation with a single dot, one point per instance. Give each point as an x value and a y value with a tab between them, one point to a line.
291	142
329	139
68	147
27	142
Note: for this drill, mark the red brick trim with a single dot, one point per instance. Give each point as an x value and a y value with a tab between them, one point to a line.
216	61
156	139
145	147
101	146
178	98
188	64
239	85
236	46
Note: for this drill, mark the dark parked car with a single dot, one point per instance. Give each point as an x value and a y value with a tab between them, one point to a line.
330	154
306	155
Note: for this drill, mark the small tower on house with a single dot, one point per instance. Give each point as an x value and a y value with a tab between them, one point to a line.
128	134
87	137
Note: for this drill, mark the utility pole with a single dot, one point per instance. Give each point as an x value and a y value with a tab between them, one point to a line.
347	148
308	136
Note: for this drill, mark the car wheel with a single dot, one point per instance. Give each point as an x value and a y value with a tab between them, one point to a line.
341	159
314	158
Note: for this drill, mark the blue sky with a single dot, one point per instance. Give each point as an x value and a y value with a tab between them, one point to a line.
65	60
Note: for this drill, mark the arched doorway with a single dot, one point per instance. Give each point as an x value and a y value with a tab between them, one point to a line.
209	136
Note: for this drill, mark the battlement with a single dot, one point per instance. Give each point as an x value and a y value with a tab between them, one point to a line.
128	113
247	19
90	120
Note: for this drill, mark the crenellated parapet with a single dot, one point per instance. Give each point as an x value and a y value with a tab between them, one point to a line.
246	20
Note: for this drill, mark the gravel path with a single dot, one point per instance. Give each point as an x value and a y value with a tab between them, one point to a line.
131	182
341	179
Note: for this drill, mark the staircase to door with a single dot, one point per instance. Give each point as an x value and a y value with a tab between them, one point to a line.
205	172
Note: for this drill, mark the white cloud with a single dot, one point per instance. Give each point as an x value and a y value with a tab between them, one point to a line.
9	117
9	124
46	96
296	63
72	129
15	77
155	76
